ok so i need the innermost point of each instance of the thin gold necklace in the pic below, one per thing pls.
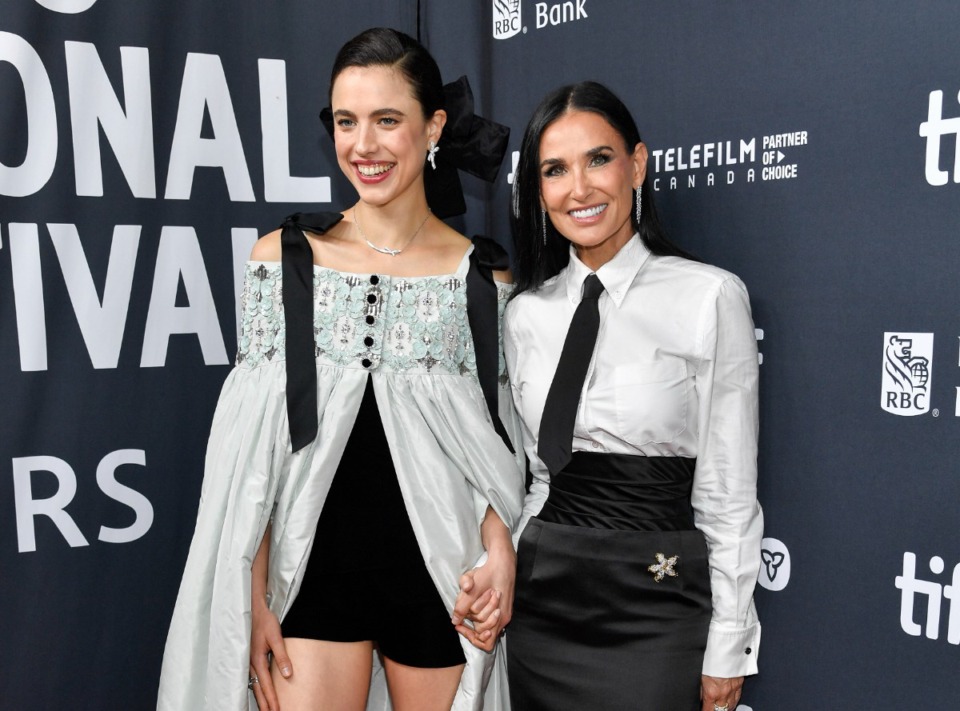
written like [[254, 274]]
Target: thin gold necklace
[[388, 250]]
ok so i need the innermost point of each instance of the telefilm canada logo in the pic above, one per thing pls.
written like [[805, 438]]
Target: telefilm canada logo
[[508, 17], [907, 373], [725, 161], [934, 129]]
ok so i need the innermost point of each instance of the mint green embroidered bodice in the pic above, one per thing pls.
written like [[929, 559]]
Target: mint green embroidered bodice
[[375, 322]]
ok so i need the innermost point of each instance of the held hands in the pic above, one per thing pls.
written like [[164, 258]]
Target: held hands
[[717, 693], [486, 598], [266, 639]]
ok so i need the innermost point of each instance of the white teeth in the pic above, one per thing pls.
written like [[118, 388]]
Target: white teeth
[[375, 169], [588, 212]]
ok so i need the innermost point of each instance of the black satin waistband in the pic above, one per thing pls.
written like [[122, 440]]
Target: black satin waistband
[[623, 492]]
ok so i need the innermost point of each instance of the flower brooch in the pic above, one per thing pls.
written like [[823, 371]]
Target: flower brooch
[[664, 567]]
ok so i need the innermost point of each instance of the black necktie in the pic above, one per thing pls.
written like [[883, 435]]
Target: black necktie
[[560, 410]]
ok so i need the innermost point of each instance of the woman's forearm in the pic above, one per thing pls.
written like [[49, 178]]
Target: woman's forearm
[[258, 573]]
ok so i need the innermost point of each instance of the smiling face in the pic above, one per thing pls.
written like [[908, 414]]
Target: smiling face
[[587, 178], [380, 133]]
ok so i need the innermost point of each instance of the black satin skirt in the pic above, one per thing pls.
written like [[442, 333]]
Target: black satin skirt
[[593, 627]]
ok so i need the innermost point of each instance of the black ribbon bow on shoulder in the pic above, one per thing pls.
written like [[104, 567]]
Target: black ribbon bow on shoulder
[[469, 142], [301, 367]]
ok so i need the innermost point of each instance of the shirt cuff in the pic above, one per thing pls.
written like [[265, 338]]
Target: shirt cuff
[[732, 653]]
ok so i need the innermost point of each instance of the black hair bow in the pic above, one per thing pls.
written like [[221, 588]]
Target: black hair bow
[[468, 142]]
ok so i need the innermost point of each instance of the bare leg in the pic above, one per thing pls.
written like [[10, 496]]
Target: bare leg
[[417, 689], [327, 675]]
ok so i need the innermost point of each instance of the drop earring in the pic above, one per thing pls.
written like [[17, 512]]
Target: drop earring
[[639, 210], [543, 221], [432, 154]]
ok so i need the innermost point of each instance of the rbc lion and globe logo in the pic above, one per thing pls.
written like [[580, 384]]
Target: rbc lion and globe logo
[[506, 18], [907, 373]]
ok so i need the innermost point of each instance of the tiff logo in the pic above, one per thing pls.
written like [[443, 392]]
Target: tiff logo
[[933, 129], [911, 587]]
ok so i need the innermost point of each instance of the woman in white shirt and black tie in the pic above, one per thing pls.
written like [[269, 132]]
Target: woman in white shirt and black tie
[[639, 545]]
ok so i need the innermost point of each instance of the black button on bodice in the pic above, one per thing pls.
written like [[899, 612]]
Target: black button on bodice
[[371, 298], [370, 320], [366, 362], [374, 280], [748, 650], [368, 341]]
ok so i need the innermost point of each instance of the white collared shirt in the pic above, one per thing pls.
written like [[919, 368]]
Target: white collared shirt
[[674, 373]]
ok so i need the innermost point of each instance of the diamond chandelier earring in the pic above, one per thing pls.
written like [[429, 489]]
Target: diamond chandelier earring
[[639, 210], [432, 154], [543, 221]]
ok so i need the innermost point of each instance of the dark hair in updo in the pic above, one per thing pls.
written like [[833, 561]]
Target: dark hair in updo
[[535, 262], [385, 47]]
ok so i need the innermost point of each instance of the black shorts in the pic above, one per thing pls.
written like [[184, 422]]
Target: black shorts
[[404, 617], [366, 579]]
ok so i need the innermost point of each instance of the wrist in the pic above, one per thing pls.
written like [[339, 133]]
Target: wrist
[[259, 602], [500, 548]]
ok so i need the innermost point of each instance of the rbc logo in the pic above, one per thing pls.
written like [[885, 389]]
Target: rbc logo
[[907, 372], [775, 564], [506, 18]]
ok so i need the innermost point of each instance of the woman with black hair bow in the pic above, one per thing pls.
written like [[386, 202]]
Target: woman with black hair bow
[[359, 460]]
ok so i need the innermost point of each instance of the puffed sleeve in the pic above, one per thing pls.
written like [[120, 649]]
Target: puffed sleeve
[[506, 409], [206, 654], [724, 493]]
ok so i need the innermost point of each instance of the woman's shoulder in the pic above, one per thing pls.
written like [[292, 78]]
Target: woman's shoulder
[[529, 305], [267, 248], [708, 276]]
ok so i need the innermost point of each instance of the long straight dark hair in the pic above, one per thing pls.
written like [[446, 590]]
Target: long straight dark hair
[[534, 261]]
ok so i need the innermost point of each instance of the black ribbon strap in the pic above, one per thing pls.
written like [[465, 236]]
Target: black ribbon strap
[[297, 269], [483, 315]]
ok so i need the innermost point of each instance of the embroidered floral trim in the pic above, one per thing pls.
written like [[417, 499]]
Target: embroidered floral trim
[[377, 322]]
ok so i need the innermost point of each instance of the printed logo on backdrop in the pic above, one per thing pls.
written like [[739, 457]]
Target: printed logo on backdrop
[[934, 129], [937, 613], [113, 122], [67, 7], [508, 18], [907, 373], [775, 564], [769, 157]]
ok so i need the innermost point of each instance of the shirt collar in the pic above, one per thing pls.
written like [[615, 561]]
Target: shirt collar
[[616, 275]]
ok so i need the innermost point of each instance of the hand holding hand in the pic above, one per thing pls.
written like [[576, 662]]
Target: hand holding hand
[[486, 599]]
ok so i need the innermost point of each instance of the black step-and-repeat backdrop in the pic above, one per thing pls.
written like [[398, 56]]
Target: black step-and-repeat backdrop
[[812, 148]]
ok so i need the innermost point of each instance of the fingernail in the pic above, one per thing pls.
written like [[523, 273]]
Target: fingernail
[[285, 671], [499, 594], [496, 613]]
